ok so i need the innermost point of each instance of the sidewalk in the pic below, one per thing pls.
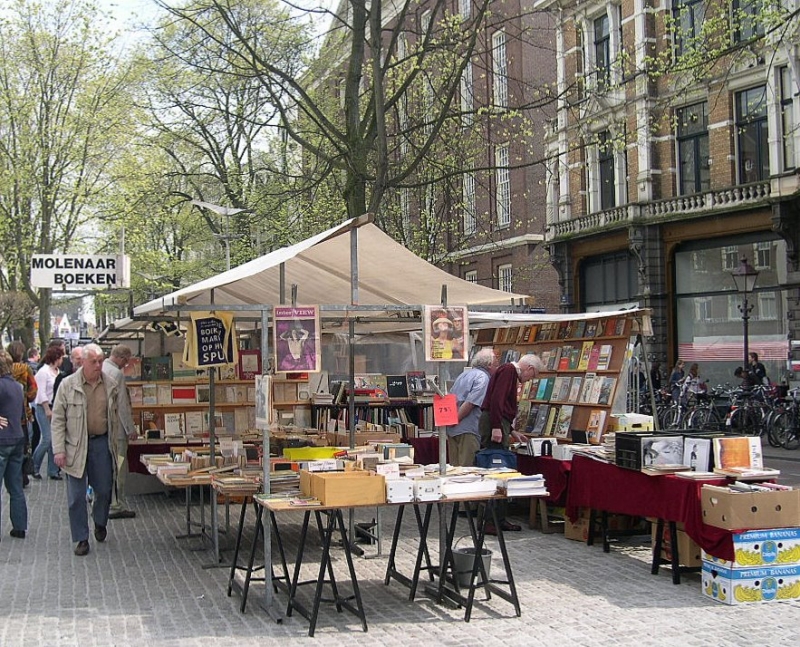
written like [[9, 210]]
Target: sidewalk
[[144, 587]]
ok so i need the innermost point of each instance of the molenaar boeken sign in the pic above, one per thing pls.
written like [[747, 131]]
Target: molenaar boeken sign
[[74, 272]]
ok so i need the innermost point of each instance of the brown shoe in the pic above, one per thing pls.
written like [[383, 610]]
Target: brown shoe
[[82, 548]]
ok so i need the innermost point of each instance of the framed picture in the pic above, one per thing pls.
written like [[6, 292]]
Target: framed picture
[[297, 339], [446, 331]]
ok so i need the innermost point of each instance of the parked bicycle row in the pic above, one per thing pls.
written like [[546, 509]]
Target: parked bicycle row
[[758, 410]]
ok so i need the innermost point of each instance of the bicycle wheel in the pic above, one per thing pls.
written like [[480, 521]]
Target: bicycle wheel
[[745, 422], [773, 437], [790, 433], [703, 418], [671, 418]]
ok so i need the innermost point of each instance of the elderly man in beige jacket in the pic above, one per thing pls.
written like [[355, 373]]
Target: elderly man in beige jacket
[[85, 423]]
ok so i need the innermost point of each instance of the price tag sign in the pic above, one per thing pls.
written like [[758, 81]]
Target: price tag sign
[[445, 410]]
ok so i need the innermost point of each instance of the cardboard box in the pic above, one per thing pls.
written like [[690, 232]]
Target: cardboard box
[[631, 422], [742, 510], [689, 553], [578, 531], [777, 547], [765, 584], [344, 488]]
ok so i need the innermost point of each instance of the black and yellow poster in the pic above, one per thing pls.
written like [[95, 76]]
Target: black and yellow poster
[[210, 340]]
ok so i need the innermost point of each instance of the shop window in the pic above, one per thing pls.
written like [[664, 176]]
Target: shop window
[[608, 279]]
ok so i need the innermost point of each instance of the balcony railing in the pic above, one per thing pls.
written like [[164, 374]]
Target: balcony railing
[[669, 209]]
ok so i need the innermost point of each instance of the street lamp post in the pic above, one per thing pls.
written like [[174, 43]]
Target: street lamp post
[[745, 276]]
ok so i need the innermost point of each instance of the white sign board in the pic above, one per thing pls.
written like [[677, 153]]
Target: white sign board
[[74, 272]]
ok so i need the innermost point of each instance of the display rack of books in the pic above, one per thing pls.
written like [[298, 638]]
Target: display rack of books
[[170, 400], [291, 400], [583, 361], [399, 404]]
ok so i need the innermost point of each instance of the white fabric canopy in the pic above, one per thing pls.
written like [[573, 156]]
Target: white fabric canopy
[[388, 274]]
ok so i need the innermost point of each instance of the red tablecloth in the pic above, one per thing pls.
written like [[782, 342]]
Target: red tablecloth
[[555, 472], [602, 486], [426, 450]]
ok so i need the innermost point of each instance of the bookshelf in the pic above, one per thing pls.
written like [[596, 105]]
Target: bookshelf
[[584, 359]]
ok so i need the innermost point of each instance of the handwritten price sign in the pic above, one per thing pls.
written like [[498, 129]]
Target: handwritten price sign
[[445, 410]]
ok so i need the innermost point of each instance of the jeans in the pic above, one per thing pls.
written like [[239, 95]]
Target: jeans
[[118, 500], [45, 444], [11, 473], [99, 473]]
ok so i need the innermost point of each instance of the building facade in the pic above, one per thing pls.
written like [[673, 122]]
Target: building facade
[[673, 155]]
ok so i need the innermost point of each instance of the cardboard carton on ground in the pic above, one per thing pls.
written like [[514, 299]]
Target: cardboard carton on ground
[[754, 548], [344, 488], [689, 553], [745, 586], [747, 510], [579, 531]]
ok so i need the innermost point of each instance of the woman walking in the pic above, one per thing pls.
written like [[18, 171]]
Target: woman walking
[[45, 380]]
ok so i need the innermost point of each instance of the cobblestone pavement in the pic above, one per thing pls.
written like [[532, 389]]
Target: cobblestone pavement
[[144, 586]]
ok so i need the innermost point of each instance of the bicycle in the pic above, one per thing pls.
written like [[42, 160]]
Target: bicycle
[[786, 424], [749, 411]]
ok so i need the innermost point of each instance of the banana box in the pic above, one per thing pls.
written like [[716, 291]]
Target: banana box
[[754, 548], [744, 586]]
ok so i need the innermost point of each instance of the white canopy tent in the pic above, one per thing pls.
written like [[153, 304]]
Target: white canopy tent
[[372, 271]]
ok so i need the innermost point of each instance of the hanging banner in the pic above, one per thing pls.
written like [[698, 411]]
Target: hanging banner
[[210, 340], [297, 339], [446, 332]]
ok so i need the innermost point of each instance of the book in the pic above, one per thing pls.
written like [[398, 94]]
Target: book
[[151, 419], [184, 394], [561, 388], [610, 327], [249, 364], [574, 357], [594, 358], [604, 357], [195, 423], [583, 360], [174, 425], [521, 421], [542, 388], [397, 387], [594, 393], [738, 452], [203, 393], [580, 329], [552, 419], [157, 368], [484, 336], [564, 358], [164, 393], [586, 388], [530, 423], [136, 395], [227, 373], [697, 454], [619, 329], [541, 419], [133, 369], [417, 384], [564, 421], [575, 389], [607, 384], [240, 420], [595, 427], [181, 372], [591, 329], [149, 394]]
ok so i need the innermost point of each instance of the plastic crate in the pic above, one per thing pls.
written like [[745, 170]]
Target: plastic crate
[[628, 447]]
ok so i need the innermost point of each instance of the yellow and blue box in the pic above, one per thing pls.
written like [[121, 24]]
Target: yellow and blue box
[[746, 586], [755, 548]]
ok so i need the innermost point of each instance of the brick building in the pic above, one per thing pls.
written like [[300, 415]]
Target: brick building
[[674, 154]]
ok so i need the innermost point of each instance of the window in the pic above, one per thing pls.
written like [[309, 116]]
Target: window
[[605, 165], [503, 197], [702, 308], [752, 133], [504, 277], [465, 8], [787, 117], [730, 258], [745, 20], [694, 172], [699, 261], [609, 279], [767, 305], [471, 276], [688, 16], [468, 190], [467, 96], [762, 255], [734, 303], [602, 52], [500, 69]]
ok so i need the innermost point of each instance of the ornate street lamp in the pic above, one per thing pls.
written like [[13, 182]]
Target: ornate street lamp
[[745, 277]]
